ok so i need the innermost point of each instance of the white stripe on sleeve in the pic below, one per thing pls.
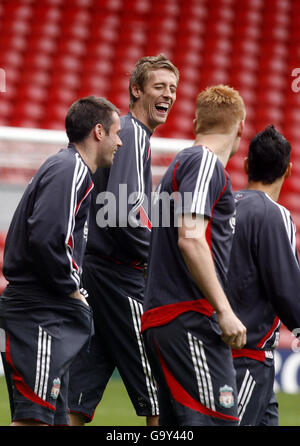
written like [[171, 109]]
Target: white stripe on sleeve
[[205, 174]]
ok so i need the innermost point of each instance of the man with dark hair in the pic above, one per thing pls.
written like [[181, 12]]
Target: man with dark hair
[[44, 315], [87, 112], [263, 284], [117, 252]]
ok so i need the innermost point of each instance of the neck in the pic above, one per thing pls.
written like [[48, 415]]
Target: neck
[[141, 115], [88, 156], [221, 144], [272, 190]]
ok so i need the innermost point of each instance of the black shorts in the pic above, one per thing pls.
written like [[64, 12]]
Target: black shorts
[[42, 337], [257, 404], [194, 371], [115, 295]]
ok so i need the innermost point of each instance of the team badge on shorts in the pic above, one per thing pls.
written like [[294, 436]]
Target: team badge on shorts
[[55, 388], [226, 397]]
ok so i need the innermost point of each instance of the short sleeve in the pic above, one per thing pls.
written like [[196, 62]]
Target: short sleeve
[[200, 182]]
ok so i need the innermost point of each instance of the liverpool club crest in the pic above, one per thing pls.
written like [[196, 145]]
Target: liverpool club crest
[[226, 397], [55, 388]]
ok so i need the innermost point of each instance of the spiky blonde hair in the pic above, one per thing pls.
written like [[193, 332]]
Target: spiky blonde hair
[[218, 109]]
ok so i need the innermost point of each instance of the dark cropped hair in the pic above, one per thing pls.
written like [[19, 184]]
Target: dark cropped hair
[[85, 113], [268, 156], [143, 68]]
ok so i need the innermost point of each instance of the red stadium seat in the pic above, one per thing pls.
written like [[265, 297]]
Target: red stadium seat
[[120, 99], [108, 5], [130, 53], [93, 83], [139, 7], [291, 201], [213, 75], [71, 46], [37, 77], [11, 59], [245, 46], [55, 114], [68, 80], [32, 92], [243, 79], [46, 12], [38, 61], [167, 8], [247, 31], [66, 62], [12, 42], [45, 29], [41, 44], [27, 114], [18, 27], [6, 108], [244, 62], [266, 97], [103, 51], [61, 97]]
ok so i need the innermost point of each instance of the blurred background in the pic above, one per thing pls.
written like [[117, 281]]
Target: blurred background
[[54, 51]]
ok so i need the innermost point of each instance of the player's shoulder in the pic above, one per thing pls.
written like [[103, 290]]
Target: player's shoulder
[[199, 162], [66, 161], [196, 155], [277, 210], [250, 206], [132, 127], [258, 205]]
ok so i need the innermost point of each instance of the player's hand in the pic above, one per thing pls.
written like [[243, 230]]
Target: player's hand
[[233, 331], [81, 295]]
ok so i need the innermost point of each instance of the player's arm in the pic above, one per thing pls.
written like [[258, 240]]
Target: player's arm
[[197, 256], [51, 226]]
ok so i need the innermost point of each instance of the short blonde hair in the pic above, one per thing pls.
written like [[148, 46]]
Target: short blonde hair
[[219, 108]]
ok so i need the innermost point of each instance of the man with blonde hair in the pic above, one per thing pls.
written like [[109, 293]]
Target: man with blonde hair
[[188, 324]]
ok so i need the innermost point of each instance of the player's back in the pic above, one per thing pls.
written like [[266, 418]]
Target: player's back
[[194, 183], [264, 236]]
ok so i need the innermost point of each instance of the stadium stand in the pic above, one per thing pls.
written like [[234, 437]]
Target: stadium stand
[[54, 51]]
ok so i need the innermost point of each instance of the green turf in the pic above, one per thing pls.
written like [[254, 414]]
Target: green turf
[[116, 409]]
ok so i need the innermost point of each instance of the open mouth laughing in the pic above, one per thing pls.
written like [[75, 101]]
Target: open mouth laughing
[[162, 108]]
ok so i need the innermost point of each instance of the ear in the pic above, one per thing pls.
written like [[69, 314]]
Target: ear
[[241, 128], [99, 131], [288, 171], [195, 126], [135, 90], [246, 166]]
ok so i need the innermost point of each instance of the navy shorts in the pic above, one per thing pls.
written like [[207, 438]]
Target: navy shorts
[[115, 295], [41, 338], [257, 404], [194, 371]]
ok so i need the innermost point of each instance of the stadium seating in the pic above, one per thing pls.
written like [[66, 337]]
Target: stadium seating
[[54, 51]]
